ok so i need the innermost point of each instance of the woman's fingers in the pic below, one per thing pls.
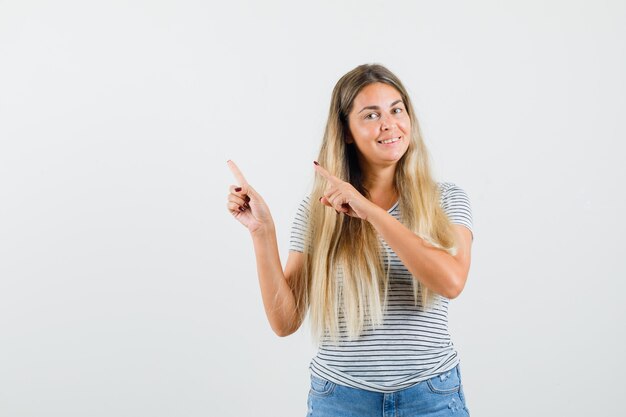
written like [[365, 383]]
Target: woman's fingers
[[233, 198], [237, 173], [327, 196], [340, 195], [334, 195], [245, 204], [237, 190], [330, 190], [327, 175], [325, 202], [240, 192], [234, 208], [238, 198], [246, 188], [333, 198], [342, 209]]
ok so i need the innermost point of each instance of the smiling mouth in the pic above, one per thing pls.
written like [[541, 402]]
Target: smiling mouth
[[387, 141]]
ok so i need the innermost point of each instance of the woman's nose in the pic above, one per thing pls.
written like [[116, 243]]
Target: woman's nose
[[385, 123]]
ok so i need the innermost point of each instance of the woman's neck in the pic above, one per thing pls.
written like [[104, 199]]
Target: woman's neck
[[380, 183]]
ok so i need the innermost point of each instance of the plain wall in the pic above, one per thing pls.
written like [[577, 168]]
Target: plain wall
[[127, 289]]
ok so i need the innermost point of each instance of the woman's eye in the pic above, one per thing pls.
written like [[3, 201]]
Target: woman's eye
[[397, 110], [371, 116]]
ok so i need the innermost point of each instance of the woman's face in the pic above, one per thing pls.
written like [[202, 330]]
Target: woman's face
[[380, 127]]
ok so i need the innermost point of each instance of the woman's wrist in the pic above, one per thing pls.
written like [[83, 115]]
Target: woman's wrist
[[374, 213], [263, 231]]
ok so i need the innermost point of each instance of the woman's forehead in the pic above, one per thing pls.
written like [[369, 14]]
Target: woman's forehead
[[376, 94]]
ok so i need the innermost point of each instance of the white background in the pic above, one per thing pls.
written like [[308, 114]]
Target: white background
[[126, 289]]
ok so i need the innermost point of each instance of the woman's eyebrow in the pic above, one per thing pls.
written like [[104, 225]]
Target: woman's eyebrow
[[376, 107]]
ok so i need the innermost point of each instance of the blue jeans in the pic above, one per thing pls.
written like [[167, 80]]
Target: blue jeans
[[439, 396]]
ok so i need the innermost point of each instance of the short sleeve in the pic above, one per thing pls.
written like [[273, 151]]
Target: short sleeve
[[456, 205], [299, 224]]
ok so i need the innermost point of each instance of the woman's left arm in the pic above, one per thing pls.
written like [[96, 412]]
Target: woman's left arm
[[435, 268]]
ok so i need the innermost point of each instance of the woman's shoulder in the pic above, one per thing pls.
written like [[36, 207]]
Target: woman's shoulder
[[456, 203], [445, 186], [448, 188], [451, 195], [444, 191]]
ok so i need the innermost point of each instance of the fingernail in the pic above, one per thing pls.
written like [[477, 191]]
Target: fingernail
[[241, 208], [238, 189], [247, 199], [316, 163]]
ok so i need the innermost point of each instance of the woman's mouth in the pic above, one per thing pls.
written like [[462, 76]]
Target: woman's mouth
[[389, 141]]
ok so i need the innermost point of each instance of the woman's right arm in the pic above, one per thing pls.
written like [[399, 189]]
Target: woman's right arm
[[278, 298], [249, 208]]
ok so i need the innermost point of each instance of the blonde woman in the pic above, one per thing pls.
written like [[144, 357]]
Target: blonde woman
[[377, 251]]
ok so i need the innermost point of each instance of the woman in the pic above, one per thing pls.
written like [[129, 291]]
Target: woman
[[377, 251]]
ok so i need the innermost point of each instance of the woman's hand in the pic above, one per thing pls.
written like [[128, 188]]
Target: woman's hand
[[246, 205], [343, 197]]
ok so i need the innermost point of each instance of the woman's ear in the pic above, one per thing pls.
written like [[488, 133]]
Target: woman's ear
[[349, 138]]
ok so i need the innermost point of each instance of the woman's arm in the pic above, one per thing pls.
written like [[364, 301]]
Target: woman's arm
[[435, 268], [249, 208], [278, 298]]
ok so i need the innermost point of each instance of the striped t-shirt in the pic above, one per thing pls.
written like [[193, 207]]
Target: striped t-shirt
[[411, 345]]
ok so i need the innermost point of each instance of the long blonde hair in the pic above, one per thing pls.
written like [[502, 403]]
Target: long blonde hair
[[343, 272]]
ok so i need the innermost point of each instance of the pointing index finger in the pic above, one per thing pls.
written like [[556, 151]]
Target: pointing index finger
[[324, 173], [237, 173]]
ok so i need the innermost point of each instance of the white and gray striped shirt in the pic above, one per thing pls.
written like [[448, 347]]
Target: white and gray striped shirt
[[412, 345]]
